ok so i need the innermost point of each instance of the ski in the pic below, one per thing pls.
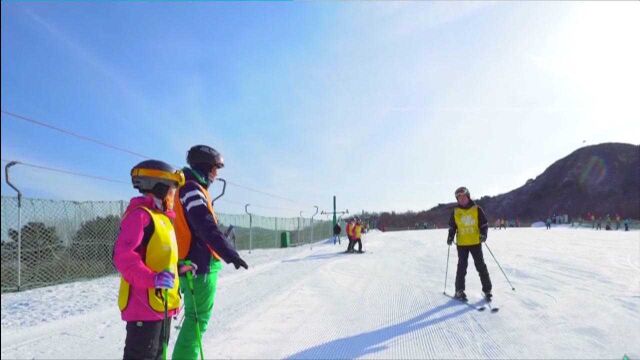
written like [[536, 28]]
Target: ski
[[466, 302], [493, 309]]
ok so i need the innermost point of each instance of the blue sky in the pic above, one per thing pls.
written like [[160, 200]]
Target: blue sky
[[388, 105]]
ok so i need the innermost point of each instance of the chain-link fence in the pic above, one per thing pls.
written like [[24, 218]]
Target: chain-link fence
[[63, 241]]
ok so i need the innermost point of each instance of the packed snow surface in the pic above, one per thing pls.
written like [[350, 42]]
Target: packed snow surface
[[577, 296]]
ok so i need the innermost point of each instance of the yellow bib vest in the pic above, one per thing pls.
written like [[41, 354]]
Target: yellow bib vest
[[357, 231], [467, 223], [161, 254]]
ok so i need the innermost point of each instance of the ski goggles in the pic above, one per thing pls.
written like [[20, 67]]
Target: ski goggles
[[177, 176], [219, 162]]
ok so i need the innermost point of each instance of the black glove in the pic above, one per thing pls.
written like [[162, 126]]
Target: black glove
[[239, 262], [449, 241], [483, 238]]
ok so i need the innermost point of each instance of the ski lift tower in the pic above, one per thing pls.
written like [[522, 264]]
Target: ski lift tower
[[334, 212]]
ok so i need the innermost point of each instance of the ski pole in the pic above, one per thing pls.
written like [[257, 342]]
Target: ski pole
[[496, 260], [178, 326], [165, 341], [446, 272], [195, 310]]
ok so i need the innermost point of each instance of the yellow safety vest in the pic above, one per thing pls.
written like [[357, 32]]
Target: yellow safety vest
[[161, 254], [468, 229], [357, 231]]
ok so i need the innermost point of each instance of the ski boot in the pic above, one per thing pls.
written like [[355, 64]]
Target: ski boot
[[460, 295], [487, 296]]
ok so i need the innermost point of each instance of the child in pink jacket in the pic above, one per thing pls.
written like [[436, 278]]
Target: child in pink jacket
[[146, 255]]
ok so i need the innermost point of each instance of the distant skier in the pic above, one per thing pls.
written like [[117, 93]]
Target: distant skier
[[336, 233], [503, 224], [350, 225], [470, 223], [599, 224], [548, 223], [146, 256], [357, 235], [626, 224]]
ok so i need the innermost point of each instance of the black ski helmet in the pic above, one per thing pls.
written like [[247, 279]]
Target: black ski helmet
[[156, 177], [203, 156], [462, 191]]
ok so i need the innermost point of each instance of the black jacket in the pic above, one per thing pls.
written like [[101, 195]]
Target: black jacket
[[204, 229]]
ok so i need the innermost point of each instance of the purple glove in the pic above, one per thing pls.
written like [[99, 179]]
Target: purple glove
[[186, 267], [164, 280]]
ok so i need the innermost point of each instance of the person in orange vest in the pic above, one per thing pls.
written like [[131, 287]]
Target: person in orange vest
[[350, 225], [146, 256], [201, 247], [468, 224], [357, 235]]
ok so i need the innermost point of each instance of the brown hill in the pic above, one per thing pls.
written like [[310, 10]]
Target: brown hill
[[600, 179]]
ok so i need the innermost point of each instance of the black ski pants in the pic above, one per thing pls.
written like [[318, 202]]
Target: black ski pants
[[359, 242], [351, 244], [478, 260], [144, 340]]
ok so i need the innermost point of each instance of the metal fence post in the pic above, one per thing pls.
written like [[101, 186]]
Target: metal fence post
[[316, 213], [300, 231], [6, 175], [276, 235], [250, 227]]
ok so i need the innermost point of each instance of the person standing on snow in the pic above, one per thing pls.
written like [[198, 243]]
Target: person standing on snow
[[201, 246], [350, 225], [336, 233], [357, 236], [469, 222], [146, 256]]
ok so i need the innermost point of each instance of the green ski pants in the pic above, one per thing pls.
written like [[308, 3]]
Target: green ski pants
[[204, 290]]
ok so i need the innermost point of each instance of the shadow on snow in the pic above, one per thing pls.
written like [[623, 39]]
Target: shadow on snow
[[371, 342]]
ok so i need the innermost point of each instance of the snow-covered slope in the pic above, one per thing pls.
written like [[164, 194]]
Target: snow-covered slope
[[577, 296]]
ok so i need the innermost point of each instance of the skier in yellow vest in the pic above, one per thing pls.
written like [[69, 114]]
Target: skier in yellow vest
[[146, 255], [469, 222]]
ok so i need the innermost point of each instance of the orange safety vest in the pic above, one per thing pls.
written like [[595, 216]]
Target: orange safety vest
[[183, 232]]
